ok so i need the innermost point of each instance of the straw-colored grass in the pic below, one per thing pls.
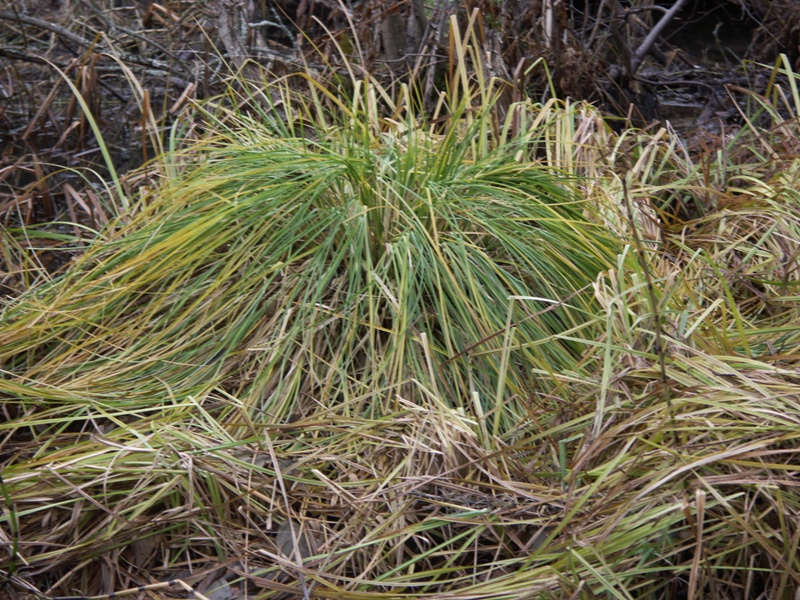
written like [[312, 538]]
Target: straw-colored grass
[[342, 351]]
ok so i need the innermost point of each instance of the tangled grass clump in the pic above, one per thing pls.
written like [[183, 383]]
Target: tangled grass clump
[[277, 269]]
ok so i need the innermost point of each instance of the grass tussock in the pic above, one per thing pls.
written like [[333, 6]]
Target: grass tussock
[[342, 350]]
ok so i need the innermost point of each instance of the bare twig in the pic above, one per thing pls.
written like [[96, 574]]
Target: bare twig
[[83, 42], [645, 47], [22, 56], [147, 40], [46, 25]]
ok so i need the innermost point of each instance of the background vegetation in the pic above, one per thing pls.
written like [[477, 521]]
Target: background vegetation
[[348, 333]]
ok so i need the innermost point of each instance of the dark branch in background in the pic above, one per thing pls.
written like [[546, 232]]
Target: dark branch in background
[[97, 11], [76, 39], [651, 38], [230, 22], [65, 33], [31, 58]]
